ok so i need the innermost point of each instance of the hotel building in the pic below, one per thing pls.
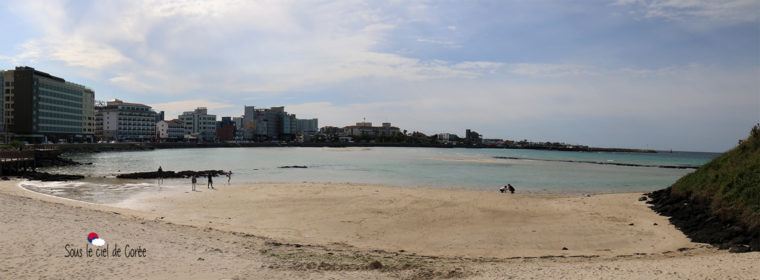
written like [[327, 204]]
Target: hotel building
[[40, 107], [122, 121]]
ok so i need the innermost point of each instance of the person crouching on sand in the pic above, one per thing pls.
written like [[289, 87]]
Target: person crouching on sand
[[210, 182], [511, 188], [503, 189]]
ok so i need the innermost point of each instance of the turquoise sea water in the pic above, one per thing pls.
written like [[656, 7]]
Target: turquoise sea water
[[531, 171]]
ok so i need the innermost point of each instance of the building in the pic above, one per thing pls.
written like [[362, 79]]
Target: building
[[159, 116], [2, 114], [447, 138], [307, 126], [199, 124], [225, 129], [170, 130], [366, 129], [472, 137], [122, 121], [273, 123], [41, 107]]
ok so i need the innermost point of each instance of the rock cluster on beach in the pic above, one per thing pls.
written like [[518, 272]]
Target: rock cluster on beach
[[170, 174], [696, 220], [43, 176]]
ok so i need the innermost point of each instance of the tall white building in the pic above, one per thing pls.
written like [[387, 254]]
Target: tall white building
[[119, 120]]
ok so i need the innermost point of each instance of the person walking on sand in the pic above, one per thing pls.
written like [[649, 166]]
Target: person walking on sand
[[229, 176], [511, 188], [210, 182], [160, 175], [194, 180]]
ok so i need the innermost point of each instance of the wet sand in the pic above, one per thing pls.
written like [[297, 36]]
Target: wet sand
[[339, 231]]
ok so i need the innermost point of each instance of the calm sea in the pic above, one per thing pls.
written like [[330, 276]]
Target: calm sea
[[530, 171]]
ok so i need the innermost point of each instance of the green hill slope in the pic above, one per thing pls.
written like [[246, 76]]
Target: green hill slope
[[719, 203], [731, 182]]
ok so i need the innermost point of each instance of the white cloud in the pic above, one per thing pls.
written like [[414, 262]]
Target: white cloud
[[175, 108], [449, 44], [169, 47], [720, 11], [543, 70]]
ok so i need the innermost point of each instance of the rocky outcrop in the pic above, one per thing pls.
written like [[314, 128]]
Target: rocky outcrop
[[700, 224], [171, 174], [43, 176]]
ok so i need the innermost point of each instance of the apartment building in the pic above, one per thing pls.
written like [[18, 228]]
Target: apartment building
[[199, 124]]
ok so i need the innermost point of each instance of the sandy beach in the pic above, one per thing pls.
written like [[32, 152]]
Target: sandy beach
[[324, 231]]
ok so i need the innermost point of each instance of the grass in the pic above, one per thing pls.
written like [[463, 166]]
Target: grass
[[730, 182]]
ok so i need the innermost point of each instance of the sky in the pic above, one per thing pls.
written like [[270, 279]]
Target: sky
[[657, 74]]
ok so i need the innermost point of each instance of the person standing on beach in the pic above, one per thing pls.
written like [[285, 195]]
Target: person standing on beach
[[194, 180], [160, 175], [229, 176], [210, 182]]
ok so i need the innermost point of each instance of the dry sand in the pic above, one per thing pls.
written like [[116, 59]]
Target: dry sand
[[338, 231]]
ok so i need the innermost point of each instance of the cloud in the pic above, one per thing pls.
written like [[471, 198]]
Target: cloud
[[175, 108], [543, 70], [449, 44], [720, 11], [98, 242], [170, 47]]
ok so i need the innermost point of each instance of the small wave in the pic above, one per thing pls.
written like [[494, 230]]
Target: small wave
[[607, 163]]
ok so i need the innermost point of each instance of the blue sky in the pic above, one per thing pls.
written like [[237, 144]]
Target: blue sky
[[665, 74]]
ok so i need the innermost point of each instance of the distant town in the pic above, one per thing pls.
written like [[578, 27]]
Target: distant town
[[40, 108]]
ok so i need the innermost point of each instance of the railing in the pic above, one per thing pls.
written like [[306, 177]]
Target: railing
[[11, 156]]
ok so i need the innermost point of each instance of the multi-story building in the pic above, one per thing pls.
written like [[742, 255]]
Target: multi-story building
[[225, 129], [199, 124], [307, 126], [122, 121], [366, 129], [38, 106], [273, 123], [2, 114], [472, 137], [171, 130]]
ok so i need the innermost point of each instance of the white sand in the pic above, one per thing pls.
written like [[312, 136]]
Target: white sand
[[337, 228]]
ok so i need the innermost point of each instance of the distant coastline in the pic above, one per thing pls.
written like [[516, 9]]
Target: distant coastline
[[113, 147]]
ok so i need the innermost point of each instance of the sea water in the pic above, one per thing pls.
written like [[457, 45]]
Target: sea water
[[530, 171]]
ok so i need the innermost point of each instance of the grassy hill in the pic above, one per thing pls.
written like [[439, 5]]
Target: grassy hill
[[730, 182], [719, 203]]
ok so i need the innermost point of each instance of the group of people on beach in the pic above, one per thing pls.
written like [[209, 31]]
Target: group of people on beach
[[194, 179], [508, 188]]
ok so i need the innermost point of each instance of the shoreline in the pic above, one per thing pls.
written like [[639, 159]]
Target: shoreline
[[231, 250], [114, 147]]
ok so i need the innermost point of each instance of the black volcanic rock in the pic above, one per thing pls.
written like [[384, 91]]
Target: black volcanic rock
[[170, 174], [695, 219], [294, 166], [42, 176]]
